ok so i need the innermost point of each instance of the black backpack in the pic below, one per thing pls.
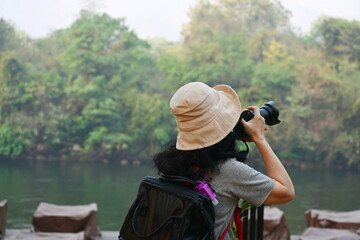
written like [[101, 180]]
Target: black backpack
[[167, 208]]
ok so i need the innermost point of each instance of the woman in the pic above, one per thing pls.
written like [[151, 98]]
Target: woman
[[205, 119]]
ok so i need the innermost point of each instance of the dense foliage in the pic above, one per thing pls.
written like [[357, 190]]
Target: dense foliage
[[96, 91]]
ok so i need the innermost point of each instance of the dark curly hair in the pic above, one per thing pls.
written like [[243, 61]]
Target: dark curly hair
[[172, 161]]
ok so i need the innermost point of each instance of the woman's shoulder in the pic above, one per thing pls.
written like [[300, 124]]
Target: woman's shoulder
[[231, 168], [232, 164]]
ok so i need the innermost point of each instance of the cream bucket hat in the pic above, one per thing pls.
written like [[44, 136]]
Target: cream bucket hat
[[204, 115]]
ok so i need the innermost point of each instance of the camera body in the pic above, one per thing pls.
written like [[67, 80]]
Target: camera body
[[268, 111]]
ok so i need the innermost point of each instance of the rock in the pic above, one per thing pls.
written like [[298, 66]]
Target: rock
[[77, 148], [124, 162]]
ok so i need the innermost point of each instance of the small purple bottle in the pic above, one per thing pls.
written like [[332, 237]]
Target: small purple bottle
[[204, 188]]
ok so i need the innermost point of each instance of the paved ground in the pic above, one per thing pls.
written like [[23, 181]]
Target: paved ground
[[109, 235], [11, 233], [105, 235]]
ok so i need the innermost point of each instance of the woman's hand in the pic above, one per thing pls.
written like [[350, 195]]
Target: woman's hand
[[255, 127]]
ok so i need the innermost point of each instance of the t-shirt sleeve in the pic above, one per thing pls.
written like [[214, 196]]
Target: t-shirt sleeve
[[238, 180]]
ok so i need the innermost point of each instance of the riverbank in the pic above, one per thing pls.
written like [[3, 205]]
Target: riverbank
[[105, 235], [36, 157]]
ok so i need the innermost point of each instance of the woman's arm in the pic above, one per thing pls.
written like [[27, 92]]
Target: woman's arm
[[283, 190]]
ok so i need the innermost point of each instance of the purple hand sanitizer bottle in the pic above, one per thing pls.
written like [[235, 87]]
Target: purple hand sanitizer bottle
[[204, 188]]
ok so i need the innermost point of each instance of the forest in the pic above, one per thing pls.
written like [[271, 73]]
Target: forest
[[95, 91]]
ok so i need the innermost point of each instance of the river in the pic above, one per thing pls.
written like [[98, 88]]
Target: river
[[113, 187]]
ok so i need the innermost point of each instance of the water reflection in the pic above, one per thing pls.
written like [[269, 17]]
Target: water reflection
[[321, 189], [113, 187]]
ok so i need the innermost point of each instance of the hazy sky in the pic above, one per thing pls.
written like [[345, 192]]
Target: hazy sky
[[151, 18]]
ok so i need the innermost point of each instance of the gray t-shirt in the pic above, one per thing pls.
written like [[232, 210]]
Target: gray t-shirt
[[236, 181]]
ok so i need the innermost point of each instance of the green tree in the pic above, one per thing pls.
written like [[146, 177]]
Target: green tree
[[10, 143], [103, 61], [7, 36], [230, 17], [339, 38], [95, 90]]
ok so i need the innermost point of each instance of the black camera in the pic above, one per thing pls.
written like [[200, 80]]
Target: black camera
[[268, 111]]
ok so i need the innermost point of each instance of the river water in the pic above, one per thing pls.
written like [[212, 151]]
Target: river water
[[113, 187]]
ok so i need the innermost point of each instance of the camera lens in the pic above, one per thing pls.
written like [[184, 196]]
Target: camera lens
[[270, 113]]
